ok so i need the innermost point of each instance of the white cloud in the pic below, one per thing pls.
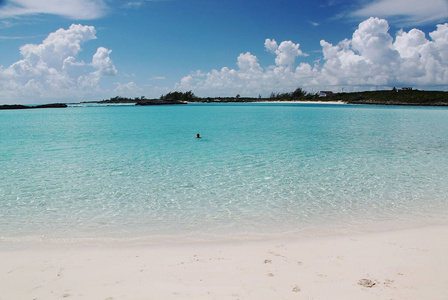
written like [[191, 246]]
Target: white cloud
[[136, 4], [410, 11], [372, 41], [11, 37], [103, 63], [424, 61], [270, 45], [371, 58], [286, 52], [51, 70], [127, 89], [248, 63], [157, 78], [73, 9]]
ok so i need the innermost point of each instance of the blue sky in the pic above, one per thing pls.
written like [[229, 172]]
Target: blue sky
[[52, 51]]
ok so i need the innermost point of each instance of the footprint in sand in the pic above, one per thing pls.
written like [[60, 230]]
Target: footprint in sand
[[366, 283], [388, 282], [296, 289], [60, 272]]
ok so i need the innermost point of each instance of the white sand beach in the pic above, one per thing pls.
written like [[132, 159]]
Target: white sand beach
[[402, 264]]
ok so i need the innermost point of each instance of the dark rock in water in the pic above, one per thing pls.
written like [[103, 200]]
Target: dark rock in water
[[159, 102], [13, 106], [18, 106], [52, 105]]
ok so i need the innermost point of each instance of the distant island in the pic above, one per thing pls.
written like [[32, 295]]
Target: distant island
[[159, 102], [403, 96], [17, 106], [406, 96]]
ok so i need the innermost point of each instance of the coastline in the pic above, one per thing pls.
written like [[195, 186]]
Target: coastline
[[272, 102], [399, 264], [304, 102]]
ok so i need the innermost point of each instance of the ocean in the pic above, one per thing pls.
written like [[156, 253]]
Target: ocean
[[260, 169]]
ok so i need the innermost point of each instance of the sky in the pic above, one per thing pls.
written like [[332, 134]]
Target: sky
[[88, 50]]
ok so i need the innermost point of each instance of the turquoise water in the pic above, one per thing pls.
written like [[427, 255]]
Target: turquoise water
[[126, 172]]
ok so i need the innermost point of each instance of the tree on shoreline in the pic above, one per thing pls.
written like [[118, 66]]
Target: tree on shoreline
[[395, 96], [187, 96], [299, 93]]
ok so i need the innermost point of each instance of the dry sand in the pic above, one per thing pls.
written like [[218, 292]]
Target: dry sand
[[404, 264]]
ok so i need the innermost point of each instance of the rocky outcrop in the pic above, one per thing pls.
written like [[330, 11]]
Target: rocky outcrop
[[379, 102], [159, 102], [13, 106], [53, 105], [18, 106]]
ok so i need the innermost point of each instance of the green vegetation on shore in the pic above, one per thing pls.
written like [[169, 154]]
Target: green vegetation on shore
[[298, 94], [395, 97], [179, 96], [405, 96], [384, 97]]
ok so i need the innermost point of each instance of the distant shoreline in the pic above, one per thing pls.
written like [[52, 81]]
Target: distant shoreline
[[303, 102], [406, 97]]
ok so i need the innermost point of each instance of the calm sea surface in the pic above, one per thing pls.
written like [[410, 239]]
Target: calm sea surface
[[127, 172]]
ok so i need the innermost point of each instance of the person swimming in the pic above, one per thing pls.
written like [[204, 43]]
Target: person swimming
[[198, 136]]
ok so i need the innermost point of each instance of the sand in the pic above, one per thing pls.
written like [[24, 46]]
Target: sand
[[403, 264]]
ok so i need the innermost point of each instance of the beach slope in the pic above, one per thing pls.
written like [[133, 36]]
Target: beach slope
[[403, 264]]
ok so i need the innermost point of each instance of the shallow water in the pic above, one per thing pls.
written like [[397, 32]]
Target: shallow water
[[123, 172]]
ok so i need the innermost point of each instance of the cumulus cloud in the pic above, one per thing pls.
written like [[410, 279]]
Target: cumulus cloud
[[51, 69], [130, 88], [73, 9], [410, 11], [372, 58], [373, 41], [286, 52], [103, 63]]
